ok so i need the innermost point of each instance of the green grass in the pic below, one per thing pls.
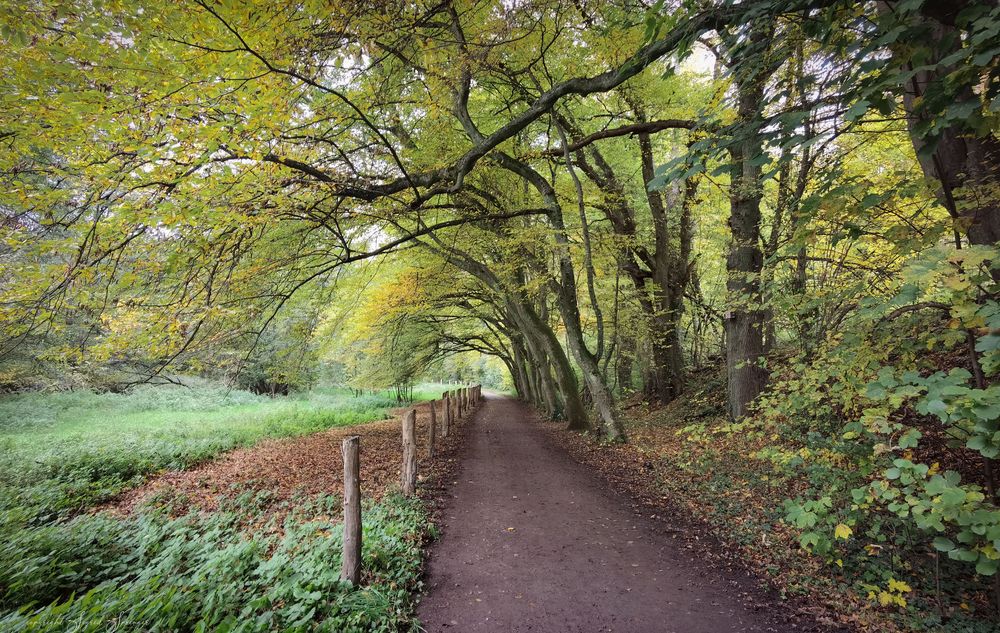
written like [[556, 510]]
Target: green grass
[[65, 571], [65, 451]]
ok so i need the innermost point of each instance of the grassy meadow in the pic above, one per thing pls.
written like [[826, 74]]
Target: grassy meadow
[[64, 569]]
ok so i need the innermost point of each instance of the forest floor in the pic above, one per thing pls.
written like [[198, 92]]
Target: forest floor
[[535, 541]]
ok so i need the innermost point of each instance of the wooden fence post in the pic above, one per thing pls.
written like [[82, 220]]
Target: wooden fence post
[[409, 482], [350, 569], [446, 409], [431, 431]]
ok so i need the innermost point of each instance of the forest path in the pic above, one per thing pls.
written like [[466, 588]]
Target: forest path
[[532, 541]]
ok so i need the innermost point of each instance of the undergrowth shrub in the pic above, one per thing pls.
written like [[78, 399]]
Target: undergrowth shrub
[[213, 572]]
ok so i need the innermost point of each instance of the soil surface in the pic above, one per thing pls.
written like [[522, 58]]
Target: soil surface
[[534, 541]]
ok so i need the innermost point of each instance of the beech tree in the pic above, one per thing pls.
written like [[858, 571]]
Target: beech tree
[[176, 174]]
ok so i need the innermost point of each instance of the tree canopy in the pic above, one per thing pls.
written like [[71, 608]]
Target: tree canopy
[[600, 196]]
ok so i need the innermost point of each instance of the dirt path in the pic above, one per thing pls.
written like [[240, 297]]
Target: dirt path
[[533, 542]]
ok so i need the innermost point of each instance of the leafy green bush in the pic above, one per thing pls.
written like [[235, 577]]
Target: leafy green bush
[[900, 440]]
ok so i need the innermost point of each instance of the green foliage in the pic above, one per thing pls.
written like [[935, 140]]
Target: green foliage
[[965, 90], [874, 421], [186, 186], [244, 568], [212, 573]]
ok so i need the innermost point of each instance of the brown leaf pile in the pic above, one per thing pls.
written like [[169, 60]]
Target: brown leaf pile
[[309, 464]]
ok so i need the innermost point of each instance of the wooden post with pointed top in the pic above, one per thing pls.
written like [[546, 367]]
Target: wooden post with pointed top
[[350, 569], [431, 430], [409, 478]]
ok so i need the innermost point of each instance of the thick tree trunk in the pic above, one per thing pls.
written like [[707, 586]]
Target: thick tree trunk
[[744, 319], [546, 385], [665, 380], [623, 364], [519, 374], [543, 399], [569, 310], [966, 164], [545, 348]]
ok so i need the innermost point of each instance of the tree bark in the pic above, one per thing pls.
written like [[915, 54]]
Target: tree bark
[[566, 299], [966, 164], [659, 277], [523, 384], [623, 364], [744, 319], [540, 336]]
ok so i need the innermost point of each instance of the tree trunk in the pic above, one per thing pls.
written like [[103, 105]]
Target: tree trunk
[[670, 275], [966, 164], [540, 335], [623, 364], [665, 380], [603, 401], [744, 320], [569, 310], [520, 376]]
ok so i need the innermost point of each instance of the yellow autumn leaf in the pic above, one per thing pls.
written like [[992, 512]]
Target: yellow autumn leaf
[[842, 531], [899, 586]]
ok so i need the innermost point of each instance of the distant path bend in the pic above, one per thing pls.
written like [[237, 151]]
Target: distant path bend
[[532, 541]]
